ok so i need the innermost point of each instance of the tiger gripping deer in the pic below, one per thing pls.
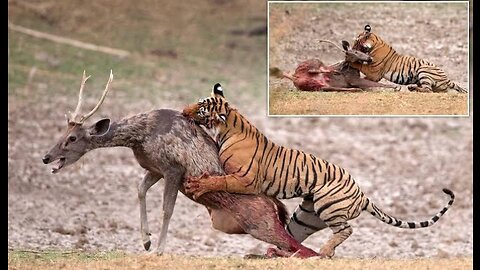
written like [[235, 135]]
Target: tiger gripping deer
[[419, 74], [314, 75], [254, 164], [162, 146]]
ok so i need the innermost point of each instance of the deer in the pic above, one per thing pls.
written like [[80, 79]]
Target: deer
[[314, 75], [167, 146]]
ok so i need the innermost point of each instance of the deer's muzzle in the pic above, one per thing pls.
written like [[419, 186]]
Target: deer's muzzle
[[61, 162]]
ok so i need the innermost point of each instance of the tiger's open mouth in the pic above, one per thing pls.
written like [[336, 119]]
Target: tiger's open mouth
[[59, 164]]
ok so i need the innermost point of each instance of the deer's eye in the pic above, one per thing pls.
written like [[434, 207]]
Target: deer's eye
[[72, 138]]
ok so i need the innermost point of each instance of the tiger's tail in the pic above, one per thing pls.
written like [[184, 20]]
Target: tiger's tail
[[376, 212], [456, 87], [276, 72]]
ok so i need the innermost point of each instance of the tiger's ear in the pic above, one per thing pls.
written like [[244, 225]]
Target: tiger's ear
[[217, 91], [368, 30]]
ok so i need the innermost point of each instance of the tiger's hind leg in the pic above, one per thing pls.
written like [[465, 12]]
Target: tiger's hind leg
[[424, 85], [341, 231], [305, 221], [335, 208]]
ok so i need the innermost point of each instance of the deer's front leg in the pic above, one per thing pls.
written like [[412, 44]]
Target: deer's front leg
[[231, 183], [173, 180], [148, 180]]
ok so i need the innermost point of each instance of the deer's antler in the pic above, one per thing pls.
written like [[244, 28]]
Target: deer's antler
[[74, 116], [334, 44]]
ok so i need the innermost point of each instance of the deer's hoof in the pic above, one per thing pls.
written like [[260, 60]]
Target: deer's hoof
[[147, 244]]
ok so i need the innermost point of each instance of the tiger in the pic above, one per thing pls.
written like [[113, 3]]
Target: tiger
[[254, 164], [419, 74]]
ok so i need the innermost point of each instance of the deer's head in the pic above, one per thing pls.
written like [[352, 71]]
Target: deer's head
[[77, 139], [355, 56], [351, 55]]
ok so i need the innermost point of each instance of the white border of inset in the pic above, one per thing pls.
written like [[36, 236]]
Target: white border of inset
[[368, 115]]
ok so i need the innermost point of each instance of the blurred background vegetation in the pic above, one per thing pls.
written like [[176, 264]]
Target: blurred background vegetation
[[178, 49]]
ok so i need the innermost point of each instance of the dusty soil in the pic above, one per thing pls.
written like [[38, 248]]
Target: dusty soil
[[412, 29], [328, 103], [402, 164], [87, 260]]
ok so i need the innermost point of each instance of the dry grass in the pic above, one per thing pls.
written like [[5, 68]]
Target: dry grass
[[21, 260], [172, 56], [286, 102]]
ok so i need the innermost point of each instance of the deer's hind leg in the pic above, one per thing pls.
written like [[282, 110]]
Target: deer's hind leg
[[173, 180], [262, 219], [224, 221], [341, 89], [366, 84]]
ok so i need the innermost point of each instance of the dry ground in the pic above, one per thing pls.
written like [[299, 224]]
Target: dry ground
[[366, 103], [115, 260], [401, 163], [435, 32]]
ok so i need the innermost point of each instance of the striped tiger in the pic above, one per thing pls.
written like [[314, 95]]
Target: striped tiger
[[419, 74], [256, 165]]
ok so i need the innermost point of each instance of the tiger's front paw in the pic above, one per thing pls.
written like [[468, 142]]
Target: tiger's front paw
[[197, 185]]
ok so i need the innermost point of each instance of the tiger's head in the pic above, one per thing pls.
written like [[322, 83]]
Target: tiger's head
[[366, 41], [210, 111]]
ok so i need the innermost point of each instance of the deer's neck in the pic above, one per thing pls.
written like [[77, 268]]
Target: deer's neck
[[127, 132]]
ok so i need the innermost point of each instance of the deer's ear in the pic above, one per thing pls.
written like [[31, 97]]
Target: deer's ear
[[346, 45], [100, 128]]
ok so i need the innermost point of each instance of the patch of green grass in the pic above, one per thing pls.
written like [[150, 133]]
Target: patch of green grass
[[46, 55], [206, 51]]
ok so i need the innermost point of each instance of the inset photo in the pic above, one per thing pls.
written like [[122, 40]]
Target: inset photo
[[368, 58]]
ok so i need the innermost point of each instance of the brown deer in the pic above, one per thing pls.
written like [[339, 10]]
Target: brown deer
[[168, 146], [314, 75]]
